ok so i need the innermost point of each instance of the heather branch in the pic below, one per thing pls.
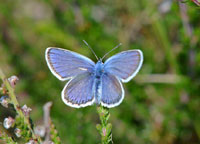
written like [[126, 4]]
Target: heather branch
[[104, 128], [13, 100]]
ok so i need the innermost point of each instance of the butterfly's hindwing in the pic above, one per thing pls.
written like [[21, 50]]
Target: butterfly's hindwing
[[78, 92], [112, 91]]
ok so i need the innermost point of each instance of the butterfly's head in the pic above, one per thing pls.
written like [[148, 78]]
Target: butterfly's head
[[100, 61], [99, 64]]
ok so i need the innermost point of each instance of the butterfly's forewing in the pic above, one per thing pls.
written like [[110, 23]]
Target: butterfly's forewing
[[112, 91], [78, 92], [124, 65], [65, 64]]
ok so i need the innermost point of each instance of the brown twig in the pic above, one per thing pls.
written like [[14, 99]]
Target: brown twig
[[47, 121], [159, 78]]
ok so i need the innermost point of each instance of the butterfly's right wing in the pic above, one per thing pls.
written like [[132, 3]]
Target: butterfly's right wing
[[112, 91], [124, 65], [120, 67], [65, 64]]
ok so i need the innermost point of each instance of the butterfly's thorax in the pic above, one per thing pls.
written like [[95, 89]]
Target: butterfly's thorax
[[98, 69], [97, 84]]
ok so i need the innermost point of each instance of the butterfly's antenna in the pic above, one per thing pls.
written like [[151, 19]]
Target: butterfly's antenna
[[111, 50], [91, 49]]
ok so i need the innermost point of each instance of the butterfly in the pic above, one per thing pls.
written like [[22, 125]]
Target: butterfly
[[90, 83]]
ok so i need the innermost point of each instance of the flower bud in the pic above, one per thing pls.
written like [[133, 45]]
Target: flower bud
[[13, 80], [8, 122], [26, 110], [40, 130], [17, 132], [4, 101]]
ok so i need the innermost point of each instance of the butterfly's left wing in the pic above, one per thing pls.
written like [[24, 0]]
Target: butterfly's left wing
[[124, 65], [65, 64], [78, 92]]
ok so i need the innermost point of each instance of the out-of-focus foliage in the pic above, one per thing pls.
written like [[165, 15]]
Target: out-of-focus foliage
[[158, 109]]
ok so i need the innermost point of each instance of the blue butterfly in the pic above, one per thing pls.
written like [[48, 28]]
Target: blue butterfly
[[91, 83]]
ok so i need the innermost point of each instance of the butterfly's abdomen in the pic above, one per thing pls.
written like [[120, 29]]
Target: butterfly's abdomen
[[97, 91]]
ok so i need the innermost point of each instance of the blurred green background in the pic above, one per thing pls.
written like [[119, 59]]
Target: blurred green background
[[162, 103]]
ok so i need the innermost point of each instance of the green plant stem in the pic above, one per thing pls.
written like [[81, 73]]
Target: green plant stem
[[7, 139], [104, 128], [160, 32], [16, 104]]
